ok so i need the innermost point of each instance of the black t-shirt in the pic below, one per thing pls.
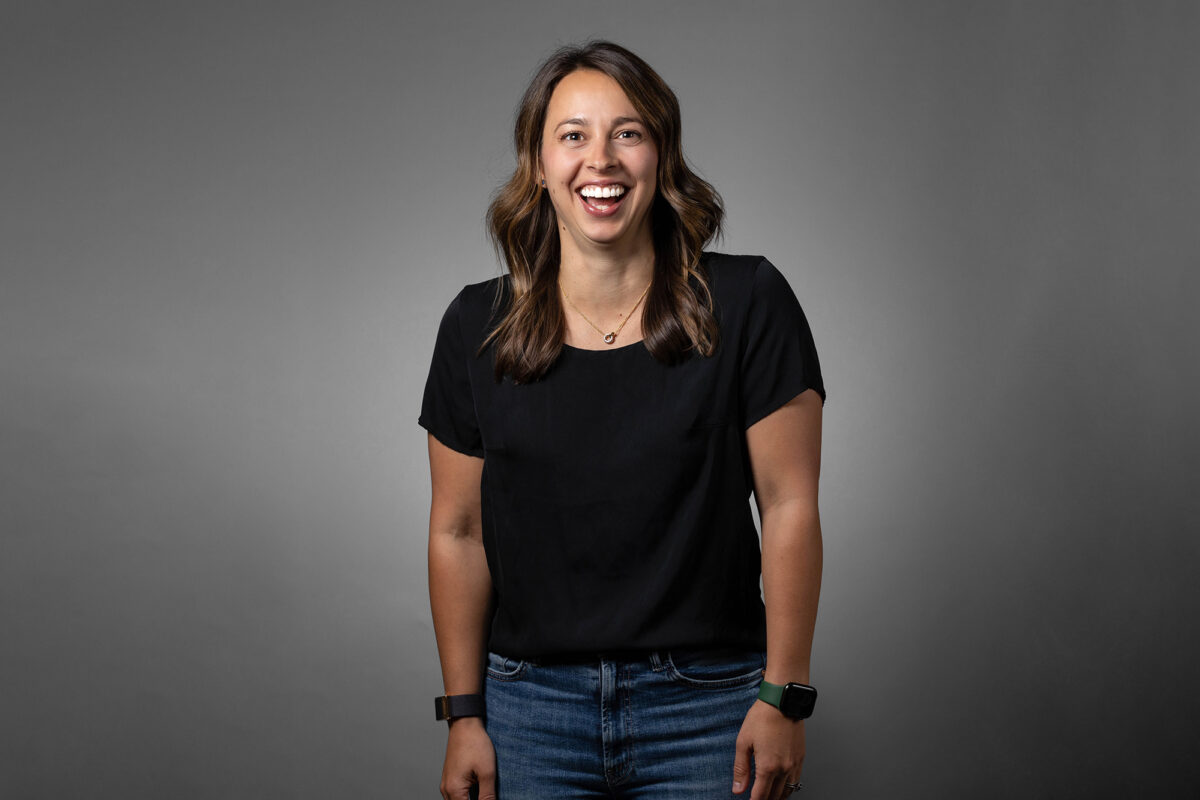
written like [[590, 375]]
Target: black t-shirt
[[616, 490]]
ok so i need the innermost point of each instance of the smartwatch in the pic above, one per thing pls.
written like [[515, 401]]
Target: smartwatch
[[794, 700], [453, 706]]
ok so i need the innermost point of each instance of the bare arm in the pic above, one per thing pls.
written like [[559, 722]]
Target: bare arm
[[785, 459], [460, 585], [460, 594]]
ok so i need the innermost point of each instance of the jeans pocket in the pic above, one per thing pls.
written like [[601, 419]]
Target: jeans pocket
[[720, 669], [502, 668]]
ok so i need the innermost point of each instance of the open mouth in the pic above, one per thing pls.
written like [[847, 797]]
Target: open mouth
[[601, 201]]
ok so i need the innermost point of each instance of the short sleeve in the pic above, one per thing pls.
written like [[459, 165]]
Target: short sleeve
[[780, 358], [448, 406]]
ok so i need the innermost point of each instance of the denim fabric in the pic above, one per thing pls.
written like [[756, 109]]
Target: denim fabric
[[660, 727]]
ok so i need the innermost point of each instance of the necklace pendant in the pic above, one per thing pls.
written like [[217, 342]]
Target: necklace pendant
[[609, 338]]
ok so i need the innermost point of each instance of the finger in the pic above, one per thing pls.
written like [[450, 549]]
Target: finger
[[762, 785], [759, 792], [786, 785], [741, 767], [487, 786], [458, 791], [767, 786]]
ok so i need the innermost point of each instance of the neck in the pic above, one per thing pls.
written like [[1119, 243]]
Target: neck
[[605, 277], [604, 270], [606, 283], [602, 290]]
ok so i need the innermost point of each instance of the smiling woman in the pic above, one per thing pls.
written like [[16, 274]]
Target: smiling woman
[[599, 116], [597, 418], [599, 167]]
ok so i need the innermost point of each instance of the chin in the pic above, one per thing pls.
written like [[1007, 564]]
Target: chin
[[612, 233]]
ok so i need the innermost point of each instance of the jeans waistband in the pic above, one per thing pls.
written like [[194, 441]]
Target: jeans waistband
[[654, 657]]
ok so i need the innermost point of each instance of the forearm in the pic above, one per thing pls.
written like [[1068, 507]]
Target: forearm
[[792, 561], [460, 595]]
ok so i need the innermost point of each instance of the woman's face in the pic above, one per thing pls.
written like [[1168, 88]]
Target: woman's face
[[599, 163]]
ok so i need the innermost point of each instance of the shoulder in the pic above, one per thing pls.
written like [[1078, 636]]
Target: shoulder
[[737, 270], [477, 305], [748, 273], [734, 280], [484, 290], [728, 268]]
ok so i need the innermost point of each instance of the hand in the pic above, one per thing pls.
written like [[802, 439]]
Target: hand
[[470, 761], [777, 744]]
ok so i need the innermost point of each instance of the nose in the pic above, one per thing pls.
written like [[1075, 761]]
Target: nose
[[600, 156]]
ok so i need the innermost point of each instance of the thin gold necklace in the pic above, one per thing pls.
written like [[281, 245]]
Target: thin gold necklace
[[610, 337]]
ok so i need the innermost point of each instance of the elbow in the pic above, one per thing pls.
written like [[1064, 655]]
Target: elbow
[[468, 531], [457, 524]]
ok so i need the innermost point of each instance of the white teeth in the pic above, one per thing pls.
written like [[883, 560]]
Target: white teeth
[[602, 191]]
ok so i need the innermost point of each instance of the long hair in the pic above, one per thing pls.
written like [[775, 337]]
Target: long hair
[[686, 214]]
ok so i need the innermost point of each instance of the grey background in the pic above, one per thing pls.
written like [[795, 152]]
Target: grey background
[[229, 231]]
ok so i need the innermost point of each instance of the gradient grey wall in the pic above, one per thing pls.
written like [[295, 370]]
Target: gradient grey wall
[[229, 231]]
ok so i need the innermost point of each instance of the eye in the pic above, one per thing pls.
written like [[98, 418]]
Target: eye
[[630, 135], [572, 136]]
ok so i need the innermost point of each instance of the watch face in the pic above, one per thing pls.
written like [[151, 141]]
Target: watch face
[[798, 701]]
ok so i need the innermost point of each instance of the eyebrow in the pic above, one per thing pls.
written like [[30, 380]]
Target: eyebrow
[[582, 121]]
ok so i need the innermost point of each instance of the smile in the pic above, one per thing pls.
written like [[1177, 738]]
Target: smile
[[602, 201]]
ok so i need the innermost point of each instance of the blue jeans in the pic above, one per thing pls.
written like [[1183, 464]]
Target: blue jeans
[[661, 727]]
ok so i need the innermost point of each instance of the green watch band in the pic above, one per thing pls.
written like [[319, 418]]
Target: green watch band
[[795, 700]]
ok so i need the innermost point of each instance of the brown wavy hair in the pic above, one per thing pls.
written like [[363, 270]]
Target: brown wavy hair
[[686, 214]]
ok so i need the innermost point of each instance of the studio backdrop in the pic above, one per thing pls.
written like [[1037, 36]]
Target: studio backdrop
[[229, 230]]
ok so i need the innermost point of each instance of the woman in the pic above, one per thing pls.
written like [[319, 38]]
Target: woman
[[597, 420]]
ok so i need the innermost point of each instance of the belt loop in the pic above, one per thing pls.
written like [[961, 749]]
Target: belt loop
[[655, 661]]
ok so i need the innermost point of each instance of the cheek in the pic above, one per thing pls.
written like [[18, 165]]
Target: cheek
[[650, 176], [561, 198], [650, 169]]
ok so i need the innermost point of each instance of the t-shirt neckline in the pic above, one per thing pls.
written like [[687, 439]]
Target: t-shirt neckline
[[639, 342]]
